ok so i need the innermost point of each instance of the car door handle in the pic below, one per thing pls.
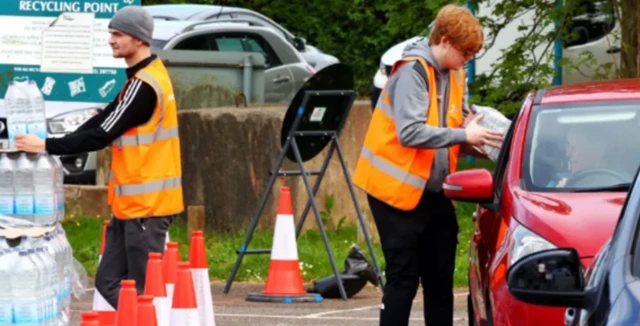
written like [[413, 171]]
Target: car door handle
[[281, 79], [614, 49]]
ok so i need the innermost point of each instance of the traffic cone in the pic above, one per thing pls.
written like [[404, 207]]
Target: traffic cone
[[99, 303], [155, 287], [146, 311], [89, 318], [170, 267], [201, 282], [284, 281], [184, 309], [127, 311]]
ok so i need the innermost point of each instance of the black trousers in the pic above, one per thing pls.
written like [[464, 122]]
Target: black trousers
[[418, 246], [126, 252]]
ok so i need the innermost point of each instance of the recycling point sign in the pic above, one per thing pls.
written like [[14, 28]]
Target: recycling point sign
[[63, 46]]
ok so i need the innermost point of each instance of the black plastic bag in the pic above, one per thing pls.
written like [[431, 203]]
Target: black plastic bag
[[358, 271]]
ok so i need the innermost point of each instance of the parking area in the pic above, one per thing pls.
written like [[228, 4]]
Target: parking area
[[360, 310]]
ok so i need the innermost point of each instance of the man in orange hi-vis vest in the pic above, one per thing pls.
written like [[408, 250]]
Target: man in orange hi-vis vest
[[412, 144], [141, 125]]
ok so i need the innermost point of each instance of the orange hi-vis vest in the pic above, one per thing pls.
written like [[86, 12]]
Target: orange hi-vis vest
[[396, 174], [146, 169]]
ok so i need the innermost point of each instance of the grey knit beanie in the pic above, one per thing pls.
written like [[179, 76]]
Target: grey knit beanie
[[135, 21]]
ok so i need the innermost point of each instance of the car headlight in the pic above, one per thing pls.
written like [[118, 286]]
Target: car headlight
[[383, 70], [525, 242], [70, 121]]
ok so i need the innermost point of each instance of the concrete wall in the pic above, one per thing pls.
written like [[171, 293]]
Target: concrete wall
[[227, 154]]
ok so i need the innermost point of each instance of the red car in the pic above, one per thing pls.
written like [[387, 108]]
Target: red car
[[560, 181]]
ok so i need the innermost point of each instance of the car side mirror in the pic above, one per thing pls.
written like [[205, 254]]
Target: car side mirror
[[473, 185], [299, 43], [551, 277]]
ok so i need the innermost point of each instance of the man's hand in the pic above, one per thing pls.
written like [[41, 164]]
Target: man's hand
[[480, 136], [30, 143]]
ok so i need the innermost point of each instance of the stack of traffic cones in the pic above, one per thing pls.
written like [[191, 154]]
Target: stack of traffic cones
[[99, 303], [184, 310], [284, 280], [200, 271], [155, 287]]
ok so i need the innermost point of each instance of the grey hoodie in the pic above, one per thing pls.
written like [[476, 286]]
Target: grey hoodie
[[409, 96]]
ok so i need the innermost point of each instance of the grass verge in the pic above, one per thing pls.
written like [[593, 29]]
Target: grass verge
[[84, 235]]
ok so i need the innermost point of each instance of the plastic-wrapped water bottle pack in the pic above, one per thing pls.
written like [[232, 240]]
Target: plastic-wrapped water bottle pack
[[38, 272]]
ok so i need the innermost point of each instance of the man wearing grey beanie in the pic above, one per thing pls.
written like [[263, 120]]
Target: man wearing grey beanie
[[141, 125]]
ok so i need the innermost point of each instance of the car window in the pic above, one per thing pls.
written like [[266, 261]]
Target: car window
[[503, 157], [247, 42], [582, 146], [195, 43]]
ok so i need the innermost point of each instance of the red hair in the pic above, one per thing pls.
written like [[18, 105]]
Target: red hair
[[459, 25]]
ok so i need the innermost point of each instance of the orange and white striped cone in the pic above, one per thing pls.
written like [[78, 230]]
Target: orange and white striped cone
[[99, 303], [155, 287], [284, 280], [169, 267], [184, 309], [201, 282]]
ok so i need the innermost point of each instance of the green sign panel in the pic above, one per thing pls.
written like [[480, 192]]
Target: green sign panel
[[63, 46]]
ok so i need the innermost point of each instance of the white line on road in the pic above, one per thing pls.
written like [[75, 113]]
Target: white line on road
[[341, 311], [307, 317]]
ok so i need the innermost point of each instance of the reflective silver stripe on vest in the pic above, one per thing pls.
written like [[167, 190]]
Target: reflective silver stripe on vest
[[383, 106], [148, 187], [145, 139], [111, 176], [392, 170]]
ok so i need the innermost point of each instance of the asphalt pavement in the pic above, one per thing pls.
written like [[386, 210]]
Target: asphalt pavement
[[361, 310]]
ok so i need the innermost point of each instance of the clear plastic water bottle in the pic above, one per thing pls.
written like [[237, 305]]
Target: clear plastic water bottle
[[37, 123], [6, 186], [67, 262], [59, 172], [23, 187], [27, 309], [46, 252], [17, 105], [7, 262], [44, 191]]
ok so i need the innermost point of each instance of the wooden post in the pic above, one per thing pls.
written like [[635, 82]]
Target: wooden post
[[103, 166], [195, 219]]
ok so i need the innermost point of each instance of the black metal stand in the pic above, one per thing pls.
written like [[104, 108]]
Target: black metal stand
[[311, 192]]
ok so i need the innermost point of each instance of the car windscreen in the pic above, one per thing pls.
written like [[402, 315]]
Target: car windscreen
[[582, 147]]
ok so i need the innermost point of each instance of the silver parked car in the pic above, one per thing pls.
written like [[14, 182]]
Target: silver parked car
[[200, 12], [286, 70]]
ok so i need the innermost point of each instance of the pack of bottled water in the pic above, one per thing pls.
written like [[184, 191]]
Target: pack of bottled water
[[494, 120], [31, 190], [25, 108], [37, 268], [38, 279]]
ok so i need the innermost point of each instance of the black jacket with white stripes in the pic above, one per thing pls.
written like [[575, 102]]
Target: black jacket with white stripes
[[135, 109]]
